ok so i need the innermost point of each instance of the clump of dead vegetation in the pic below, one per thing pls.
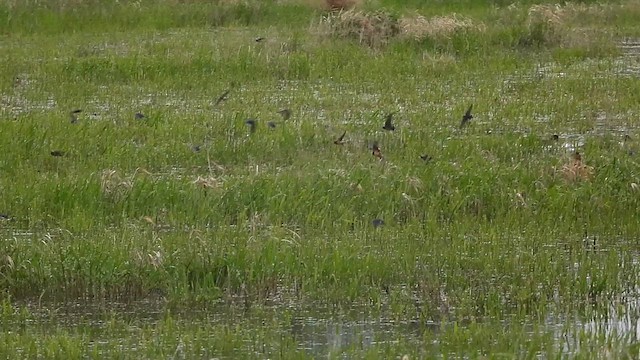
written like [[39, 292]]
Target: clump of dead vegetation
[[377, 28], [576, 169], [369, 28], [419, 27]]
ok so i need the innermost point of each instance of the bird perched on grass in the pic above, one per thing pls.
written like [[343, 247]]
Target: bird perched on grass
[[387, 123], [340, 140], [375, 150], [466, 117]]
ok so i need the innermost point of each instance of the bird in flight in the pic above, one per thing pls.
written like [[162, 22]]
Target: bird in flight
[[340, 140], [223, 97], [387, 123], [251, 123], [260, 39], [426, 158], [285, 113], [271, 124], [139, 116], [73, 115], [466, 117], [57, 153]]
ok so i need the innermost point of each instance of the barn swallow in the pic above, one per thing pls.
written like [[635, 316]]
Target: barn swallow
[[57, 153], [340, 140], [251, 123], [377, 223], [375, 150], [223, 97], [466, 117], [387, 123], [426, 158], [260, 39], [139, 116], [73, 115], [285, 113]]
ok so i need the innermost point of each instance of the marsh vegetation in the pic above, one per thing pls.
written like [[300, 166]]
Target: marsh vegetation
[[274, 179]]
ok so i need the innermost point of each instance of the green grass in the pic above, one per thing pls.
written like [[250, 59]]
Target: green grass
[[491, 231]]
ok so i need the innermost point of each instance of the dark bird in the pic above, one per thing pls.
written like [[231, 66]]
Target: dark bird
[[57, 153], [377, 223], [375, 150], [139, 116], [285, 113], [251, 123], [271, 124], [466, 117], [196, 148], [260, 39], [387, 123], [555, 137], [340, 140], [73, 115], [426, 158], [223, 97]]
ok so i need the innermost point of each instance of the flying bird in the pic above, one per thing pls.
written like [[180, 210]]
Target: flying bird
[[375, 150], [426, 158], [260, 39], [466, 117], [139, 116], [285, 113], [387, 123], [251, 123], [271, 124], [57, 153], [340, 140], [223, 97], [73, 115]]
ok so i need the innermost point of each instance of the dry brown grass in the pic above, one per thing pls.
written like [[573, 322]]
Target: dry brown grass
[[372, 29], [439, 27], [576, 170], [335, 5]]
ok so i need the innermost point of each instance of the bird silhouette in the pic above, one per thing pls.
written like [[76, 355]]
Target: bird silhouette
[[73, 115], [260, 39], [466, 117], [375, 150], [251, 123], [139, 116], [223, 97], [340, 140], [377, 223], [285, 113], [426, 158], [387, 123], [57, 153], [271, 124]]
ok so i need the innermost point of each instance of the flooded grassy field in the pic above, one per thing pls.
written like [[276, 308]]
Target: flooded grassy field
[[273, 179]]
